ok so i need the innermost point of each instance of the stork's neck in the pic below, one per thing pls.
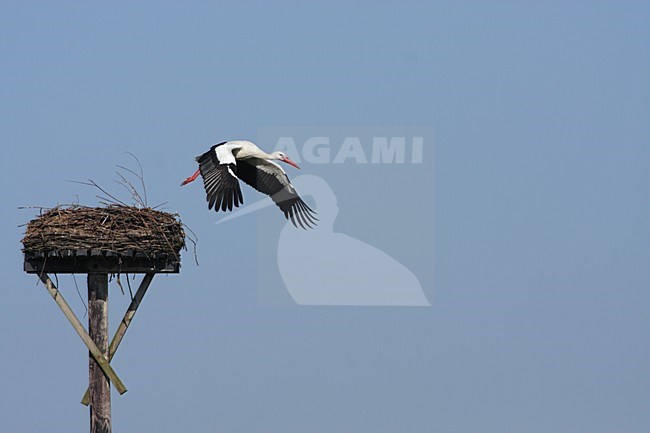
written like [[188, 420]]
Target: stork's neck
[[264, 155], [252, 152]]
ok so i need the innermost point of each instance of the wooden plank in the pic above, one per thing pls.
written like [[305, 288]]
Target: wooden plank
[[124, 325], [76, 324], [100, 264], [100, 386]]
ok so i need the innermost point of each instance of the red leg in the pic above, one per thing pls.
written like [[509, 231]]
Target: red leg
[[191, 178]]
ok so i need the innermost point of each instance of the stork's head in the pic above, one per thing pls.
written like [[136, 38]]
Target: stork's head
[[280, 156]]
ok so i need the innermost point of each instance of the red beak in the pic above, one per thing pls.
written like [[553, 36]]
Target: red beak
[[290, 162]]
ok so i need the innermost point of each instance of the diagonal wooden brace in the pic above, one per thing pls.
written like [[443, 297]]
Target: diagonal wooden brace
[[124, 325], [76, 324]]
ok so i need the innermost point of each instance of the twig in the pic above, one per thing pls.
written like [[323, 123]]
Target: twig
[[93, 183], [129, 186], [80, 297], [119, 283], [195, 241], [140, 176], [128, 283], [34, 207]]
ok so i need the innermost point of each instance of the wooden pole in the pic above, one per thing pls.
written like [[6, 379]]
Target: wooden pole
[[76, 324], [124, 324], [100, 386]]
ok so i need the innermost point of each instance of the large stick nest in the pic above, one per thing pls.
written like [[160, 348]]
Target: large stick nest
[[114, 228]]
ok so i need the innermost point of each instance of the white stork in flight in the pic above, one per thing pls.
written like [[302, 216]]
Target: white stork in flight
[[225, 163]]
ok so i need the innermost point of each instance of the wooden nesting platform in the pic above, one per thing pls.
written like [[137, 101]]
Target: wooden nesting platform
[[101, 241], [114, 239]]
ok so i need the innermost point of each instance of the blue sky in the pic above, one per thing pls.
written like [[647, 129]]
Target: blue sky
[[537, 200]]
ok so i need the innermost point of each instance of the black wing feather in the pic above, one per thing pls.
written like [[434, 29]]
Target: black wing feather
[[281, 192], [221, 187]]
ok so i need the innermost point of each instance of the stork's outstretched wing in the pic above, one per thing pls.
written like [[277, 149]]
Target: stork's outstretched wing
[[219, 172], [269, 178]]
